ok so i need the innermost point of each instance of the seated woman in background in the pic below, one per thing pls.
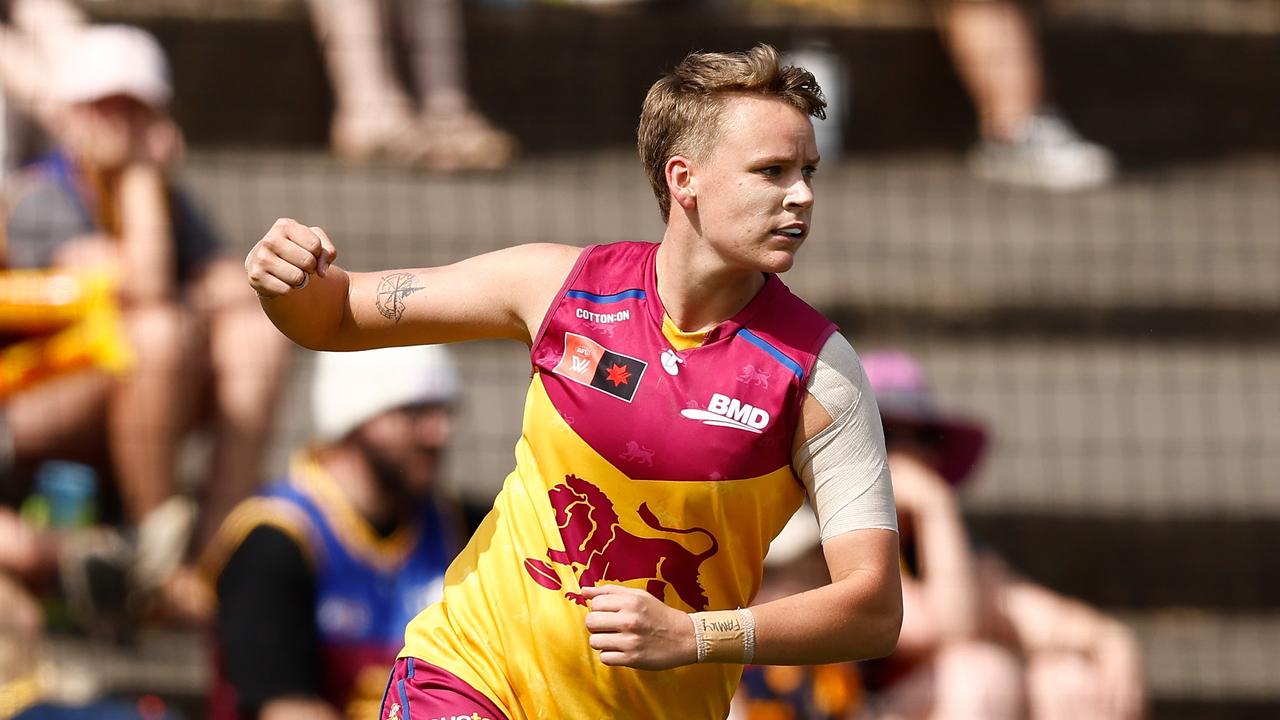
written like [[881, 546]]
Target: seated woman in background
[[105, 200], [978, 641]]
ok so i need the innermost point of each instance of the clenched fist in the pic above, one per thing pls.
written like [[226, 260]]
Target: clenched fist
[[630, 627], [286, 256]]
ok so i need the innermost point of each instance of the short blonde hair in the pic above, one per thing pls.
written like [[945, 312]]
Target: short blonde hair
[[682, 111]]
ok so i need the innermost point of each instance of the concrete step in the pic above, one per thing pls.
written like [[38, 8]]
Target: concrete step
[[1194, 655], [1216, 564]]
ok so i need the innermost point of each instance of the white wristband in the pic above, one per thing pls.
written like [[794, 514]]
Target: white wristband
[[748, 635]]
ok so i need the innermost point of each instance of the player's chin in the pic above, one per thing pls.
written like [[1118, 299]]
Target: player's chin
[[777, 259]]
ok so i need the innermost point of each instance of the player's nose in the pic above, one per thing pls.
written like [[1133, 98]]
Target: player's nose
[[799, 195]]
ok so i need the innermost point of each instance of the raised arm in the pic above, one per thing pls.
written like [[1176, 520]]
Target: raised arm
[[502, 294]]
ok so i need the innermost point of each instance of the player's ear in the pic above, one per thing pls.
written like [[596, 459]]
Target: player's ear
[[680, 182]]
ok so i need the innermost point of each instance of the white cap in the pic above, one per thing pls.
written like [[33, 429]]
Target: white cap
[[106, 60], [351, 388], [798, 536]]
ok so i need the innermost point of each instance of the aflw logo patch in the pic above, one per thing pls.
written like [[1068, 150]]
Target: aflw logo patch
[[724, 411], [589, 363]]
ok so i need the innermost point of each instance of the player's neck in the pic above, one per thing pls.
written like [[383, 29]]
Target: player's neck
[[698, 290]]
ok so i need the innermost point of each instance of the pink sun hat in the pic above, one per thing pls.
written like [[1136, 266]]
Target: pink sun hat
[[906, 401]]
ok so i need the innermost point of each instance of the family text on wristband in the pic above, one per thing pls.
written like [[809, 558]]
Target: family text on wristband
[[724, 636]]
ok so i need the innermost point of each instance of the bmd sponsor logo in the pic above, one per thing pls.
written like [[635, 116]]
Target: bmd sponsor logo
[[724, 411], [472, 716]]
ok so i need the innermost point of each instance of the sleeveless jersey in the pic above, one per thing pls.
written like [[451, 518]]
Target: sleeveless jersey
[[366, 587], [639, 465]]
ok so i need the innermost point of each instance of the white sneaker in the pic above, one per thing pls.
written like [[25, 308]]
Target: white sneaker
[[162, 541], [1048, 153]]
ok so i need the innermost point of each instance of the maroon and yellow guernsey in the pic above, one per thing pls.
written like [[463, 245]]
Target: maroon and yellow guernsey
[[648, 459]]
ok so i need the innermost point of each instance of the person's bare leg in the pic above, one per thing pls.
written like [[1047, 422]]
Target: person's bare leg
[[1061, 686], [370, 104], [439, 56], [996, 56], [980, 681], [971, 680], [247, 359], [455, 135], [146, 407], [910, 697], [61, 417]]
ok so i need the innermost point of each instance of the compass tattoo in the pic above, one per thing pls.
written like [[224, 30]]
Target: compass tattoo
[[392, 290]]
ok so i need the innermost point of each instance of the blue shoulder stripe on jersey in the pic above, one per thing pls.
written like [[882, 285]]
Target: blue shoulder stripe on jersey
[[764, 345], [624, 295]]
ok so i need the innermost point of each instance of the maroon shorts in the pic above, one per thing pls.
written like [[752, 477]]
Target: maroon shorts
[[421, 691]]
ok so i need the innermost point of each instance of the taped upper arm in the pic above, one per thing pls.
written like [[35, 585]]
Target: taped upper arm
[[843, 463]]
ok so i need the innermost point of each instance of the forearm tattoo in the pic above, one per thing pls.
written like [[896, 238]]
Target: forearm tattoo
[[392, 290]]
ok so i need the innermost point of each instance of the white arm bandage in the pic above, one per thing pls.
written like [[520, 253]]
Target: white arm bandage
[[845, 468]]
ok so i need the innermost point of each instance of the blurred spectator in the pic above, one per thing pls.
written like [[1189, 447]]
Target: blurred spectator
[[822, 692], [105, 200], [1023, 141], [375, 117], [30, 689], [977, 640], [32, 34], [318, 575]]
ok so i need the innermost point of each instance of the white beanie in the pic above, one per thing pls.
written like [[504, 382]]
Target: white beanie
[[351, 388], [798, 537], [106, 60]]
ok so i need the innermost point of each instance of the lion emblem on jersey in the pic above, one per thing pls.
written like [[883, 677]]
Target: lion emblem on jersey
[[637, 453], [597, 548], [752, 375]]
